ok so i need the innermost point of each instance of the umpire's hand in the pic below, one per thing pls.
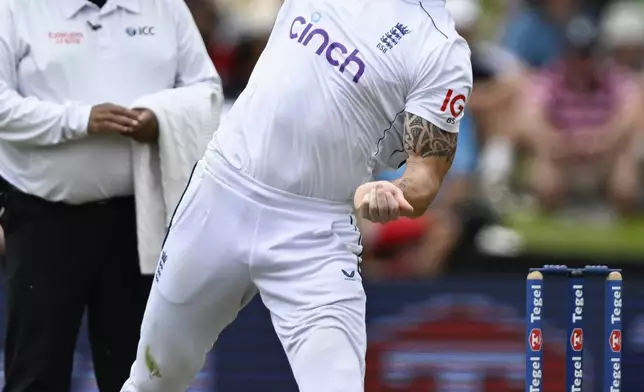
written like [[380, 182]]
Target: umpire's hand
[[110, 118]]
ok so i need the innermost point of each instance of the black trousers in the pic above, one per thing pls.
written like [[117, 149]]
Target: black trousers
[[61, 260]]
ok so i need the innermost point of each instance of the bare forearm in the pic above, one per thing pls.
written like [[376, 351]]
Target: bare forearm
[[430, 152], [419, 186]]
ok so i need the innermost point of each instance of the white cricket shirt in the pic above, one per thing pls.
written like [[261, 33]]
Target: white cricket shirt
[[325, 105], [60, 57]]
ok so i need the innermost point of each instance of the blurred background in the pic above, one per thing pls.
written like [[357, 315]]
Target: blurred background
[[548, 171]]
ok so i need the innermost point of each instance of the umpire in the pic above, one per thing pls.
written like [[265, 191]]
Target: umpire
[[69, 223]]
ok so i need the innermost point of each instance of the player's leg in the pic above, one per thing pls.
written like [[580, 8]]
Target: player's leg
[[202, 281], [310, 282]]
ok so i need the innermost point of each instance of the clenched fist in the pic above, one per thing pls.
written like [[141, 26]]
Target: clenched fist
[[381, 202]]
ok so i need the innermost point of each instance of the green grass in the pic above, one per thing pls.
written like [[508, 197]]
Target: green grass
[[580, 238]]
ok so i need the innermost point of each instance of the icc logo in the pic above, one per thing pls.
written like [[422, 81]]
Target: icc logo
[[145, 30], [535, 340], [455, 104], [615, 340], [577, 339]]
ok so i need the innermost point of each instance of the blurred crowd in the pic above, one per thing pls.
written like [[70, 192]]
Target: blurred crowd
[[554, 125]]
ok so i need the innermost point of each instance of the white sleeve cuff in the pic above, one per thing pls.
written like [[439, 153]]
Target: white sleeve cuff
[[77, 120]]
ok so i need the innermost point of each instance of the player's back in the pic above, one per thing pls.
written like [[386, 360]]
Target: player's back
[[323, 106]]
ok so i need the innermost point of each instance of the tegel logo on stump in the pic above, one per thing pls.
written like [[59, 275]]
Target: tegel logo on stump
[[306, 34]]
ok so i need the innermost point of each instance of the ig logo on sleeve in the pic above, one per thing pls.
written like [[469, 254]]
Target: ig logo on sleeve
[[455, 104]]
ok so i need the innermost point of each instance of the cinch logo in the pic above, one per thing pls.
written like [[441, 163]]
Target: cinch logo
[[334, 51], [536, 339], [145, 30]]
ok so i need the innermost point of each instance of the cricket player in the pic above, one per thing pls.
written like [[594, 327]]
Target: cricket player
[[344, 89]]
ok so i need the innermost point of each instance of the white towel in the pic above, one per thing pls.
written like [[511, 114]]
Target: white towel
[[188, 117]]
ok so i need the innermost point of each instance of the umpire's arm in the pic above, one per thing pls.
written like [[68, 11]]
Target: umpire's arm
[[27, 119]]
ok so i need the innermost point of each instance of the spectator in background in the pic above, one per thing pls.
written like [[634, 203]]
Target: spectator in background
[[212, 23], [622, 31], [205, 16], [579, 120], [536, 34], [70, 224], [252, 22], [207, 19], [500, 75], [498, 59]]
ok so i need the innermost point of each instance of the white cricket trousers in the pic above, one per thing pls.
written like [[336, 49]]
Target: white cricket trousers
[[231, 237]]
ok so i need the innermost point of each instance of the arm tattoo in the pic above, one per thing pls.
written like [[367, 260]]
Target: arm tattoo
[[424, 139]]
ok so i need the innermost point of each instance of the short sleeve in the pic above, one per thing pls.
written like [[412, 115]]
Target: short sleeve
[[441, 85]]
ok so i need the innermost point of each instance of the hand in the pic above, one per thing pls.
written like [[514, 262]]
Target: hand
[[148, 129], [109, 118], [381, 202]]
